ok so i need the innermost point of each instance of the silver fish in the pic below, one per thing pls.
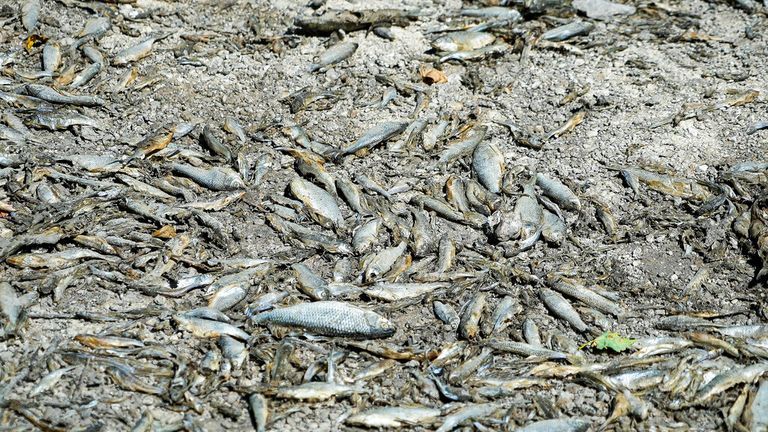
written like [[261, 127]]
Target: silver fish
[[567, 31], [329, 318], [335, 54], [394, 417], [375, 136], [30, 12], [488, 165], [561, 308], [217, 178]]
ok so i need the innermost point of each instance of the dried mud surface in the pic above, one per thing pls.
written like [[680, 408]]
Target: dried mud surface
[[246, 63]]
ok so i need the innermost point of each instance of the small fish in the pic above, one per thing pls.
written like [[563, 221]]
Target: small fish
[[51, 57], [55, 260], [569, 125], [561, 308], [217, 178], [382, 262], [399, 291], [321, 205], [212, 143], [365, 235], [477, 54], [567, 31], [445, 313], [61, 120], [95, 27], [49, 380], [498, 12], [375, 136], [30, 12], [573, 288], [96, 341], [310, 283], [526, 349], [209, 329], [502, 314], [464, 146], [136, 52], [557, 425], [472, 411], [558, 192], [470, 318], [233, 126], [462, 41], [352, 195], [488, 165], [329, 318], [85, 75], [335, 54], [259, 411], [531, 332], [726, 380], [316, 391], [50, 95], [394, 417]]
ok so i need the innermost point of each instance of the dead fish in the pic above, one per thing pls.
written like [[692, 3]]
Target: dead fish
[[56, 260], [136, 52], [395, 417], [374, 369], [60, 120], [477, 54], [365, 235], [557, 425], [49, 380], [445, 313], [51, 57], [502, 314], [573, 288], [30, 12], [759, 408], [479, 411], [526, 349], [383, 261], [567, 31], [259, 411], [352, 195], [329, 318], [216, 178], [209, 329], [488, 165], [372, 186], [234, 127], [462, 41], [558, 192], [561, 308], [464, 146], [85, 75], [498, 12], [12, 306], [320, 204], [375, 136], [399, 291], [310, 283], [95, 27], [569, 125], [335, 54], [212, 143], [470, 318], [50, 95], [316, 391], [553, 229], [723, 382], [108, 342]]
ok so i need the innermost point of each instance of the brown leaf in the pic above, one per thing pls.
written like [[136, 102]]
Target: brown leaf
[[431, 75], [166, 232]]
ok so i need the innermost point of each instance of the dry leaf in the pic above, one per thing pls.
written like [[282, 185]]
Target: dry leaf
[[431, 75]]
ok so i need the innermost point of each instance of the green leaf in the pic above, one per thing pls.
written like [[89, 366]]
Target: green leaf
[[611, 340]]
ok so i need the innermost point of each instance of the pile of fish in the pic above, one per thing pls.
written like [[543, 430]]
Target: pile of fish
[[241, 271]]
